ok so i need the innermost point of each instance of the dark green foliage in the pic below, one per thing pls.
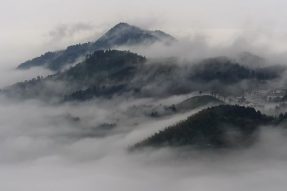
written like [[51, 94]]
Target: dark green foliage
[[102, 74], [110, 70], [217, 127], [109, 64]]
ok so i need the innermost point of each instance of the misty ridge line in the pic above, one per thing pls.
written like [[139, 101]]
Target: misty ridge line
[[182, 96], [121, 34], [118, 36], [111, 73], [126, 34], [191, 121]]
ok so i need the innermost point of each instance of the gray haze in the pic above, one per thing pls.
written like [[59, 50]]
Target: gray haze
[[31, 27], [42, 149], [45, 147]]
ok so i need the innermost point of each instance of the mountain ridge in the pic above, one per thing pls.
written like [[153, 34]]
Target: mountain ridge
[[223, 126], [121, 34], [123, 72]]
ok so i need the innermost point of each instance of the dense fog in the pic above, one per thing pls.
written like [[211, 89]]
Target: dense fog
[[44, 147], [52, 143]]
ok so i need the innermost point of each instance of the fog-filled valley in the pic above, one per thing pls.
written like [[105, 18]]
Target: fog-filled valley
[[72, 147], [135, 107]]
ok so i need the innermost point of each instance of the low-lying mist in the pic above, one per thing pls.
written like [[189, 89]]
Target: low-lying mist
[[85, 146], [200, 46], [46, 147]]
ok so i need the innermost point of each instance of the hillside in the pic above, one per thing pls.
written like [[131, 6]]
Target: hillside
[[101, 69], [225, 70], [222, 126]]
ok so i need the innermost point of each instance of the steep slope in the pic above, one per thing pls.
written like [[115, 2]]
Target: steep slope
[[102, 69], [110, 65], [217, 127], [122, 34], [59, 59]]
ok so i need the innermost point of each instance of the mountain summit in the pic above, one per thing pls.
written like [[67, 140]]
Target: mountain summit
[[125, 34], [121, 34]]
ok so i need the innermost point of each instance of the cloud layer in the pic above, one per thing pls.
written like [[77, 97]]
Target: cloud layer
[[42, 148]]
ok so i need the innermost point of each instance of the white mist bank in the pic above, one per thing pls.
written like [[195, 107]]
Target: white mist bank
[[42, 149]]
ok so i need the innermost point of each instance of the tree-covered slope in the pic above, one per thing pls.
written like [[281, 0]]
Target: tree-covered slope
[[225, 70], [100, 70], [222, 126], [110, 65], [114, 72]]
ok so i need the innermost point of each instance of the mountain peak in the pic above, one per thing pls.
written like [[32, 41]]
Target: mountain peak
[[126, 34], [122, 34], [121, 25], [122, 28]]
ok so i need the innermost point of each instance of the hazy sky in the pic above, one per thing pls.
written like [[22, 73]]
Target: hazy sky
[[29, 27]]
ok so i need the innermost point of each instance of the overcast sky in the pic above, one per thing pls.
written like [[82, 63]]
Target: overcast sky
[[30, 27]]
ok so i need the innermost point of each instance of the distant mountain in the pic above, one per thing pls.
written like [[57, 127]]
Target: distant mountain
[[167, 77], [223, 126], [101, 71], [122, 34], [111, 72], [125, 34], [226, 70], [251, 60]]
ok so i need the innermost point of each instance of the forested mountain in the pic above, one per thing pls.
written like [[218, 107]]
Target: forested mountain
[[112, 72], [226, 70], [222, 126], [102, 69], [122, 34]]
